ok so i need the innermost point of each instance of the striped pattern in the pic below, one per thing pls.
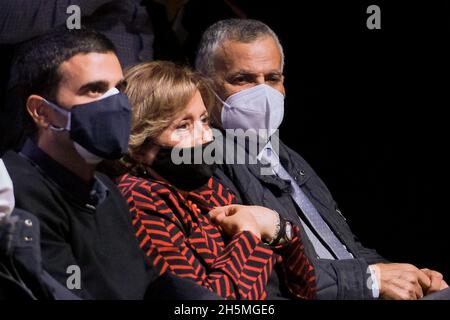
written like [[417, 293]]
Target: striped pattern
[[174, 231]]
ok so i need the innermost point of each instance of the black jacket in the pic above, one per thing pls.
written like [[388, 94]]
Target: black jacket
[[23, 278], [99, 239], [336, 279]]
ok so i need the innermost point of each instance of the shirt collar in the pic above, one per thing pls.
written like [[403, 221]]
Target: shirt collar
[[92, 194]]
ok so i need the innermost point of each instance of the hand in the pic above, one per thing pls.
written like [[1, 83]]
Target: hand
[[266, 219], [234, 219], [400, 281], [437, 281]]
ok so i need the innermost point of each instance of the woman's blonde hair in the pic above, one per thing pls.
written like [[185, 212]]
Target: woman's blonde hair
[[158, 91]]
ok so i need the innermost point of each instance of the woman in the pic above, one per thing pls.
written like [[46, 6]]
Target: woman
[[186, 221]]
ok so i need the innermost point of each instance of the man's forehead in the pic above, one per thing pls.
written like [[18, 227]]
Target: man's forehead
[[260, 56], [91, 67]]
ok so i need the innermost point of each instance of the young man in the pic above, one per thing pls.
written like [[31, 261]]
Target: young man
[[77, 117]]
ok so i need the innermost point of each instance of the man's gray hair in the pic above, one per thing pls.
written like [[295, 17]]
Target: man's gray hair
[[241, 30]]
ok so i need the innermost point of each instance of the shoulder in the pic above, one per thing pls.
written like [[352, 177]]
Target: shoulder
[[149, 200], [316, 184], [222, 190], [36, 193], [132, 184], [27, 178], [146, 193], [296, 157]]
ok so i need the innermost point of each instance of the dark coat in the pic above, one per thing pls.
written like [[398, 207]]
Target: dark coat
[[21, 273], [336, 279]]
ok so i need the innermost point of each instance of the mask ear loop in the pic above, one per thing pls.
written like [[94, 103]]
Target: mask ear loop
[[216, 117], [63, 112]]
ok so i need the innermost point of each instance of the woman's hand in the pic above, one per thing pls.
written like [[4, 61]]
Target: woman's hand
[[235, 218]]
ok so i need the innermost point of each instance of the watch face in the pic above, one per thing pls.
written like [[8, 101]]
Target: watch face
[[289, 231]]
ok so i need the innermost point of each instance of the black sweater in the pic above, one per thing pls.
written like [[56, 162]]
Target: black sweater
[[76, 230]]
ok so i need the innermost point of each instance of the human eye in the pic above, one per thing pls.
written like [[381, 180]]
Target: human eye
[[182, 126], [241, 79], [274, 78], [205, 119], [93, 90]]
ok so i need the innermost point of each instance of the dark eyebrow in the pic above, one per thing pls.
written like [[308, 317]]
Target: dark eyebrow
[[250, 73], [246, 76], [121, 85], [241, 73], [101, 86], [278, 73]]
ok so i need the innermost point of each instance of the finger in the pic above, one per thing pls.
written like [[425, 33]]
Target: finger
[[435, 278], [399, 293], [444, 285], [407, 295], [424, 280], [214, 216], [436, 281], [216, 211], [426, 271], [407, 288], [223, 209], [220, 218], [419, 292], [232, 209], [432, 273]]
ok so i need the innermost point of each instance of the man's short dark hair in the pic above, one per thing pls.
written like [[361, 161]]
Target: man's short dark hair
[[35, 69]]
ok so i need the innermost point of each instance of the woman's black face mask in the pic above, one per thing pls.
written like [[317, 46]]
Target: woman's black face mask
[[185, 168]]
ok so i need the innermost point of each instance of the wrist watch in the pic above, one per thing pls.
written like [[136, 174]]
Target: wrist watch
[[285, 233]]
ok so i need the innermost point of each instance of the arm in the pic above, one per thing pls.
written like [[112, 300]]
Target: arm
[[234, 273], [370, 256], [56, 252], [343, 279], [298, 271], [21, 20]]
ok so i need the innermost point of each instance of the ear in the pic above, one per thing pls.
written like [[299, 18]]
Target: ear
[[215, 114], [38, 110], [148, 154]]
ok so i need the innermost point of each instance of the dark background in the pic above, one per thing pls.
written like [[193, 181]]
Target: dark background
[[366, 108]]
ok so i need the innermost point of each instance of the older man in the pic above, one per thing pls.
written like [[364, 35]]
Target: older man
[[244, 59]]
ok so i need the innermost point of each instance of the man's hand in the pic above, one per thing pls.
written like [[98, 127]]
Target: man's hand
[[437, 281], [401, 281]]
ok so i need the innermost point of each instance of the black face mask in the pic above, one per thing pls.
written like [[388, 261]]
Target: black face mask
[[102, 127], [186, 173]]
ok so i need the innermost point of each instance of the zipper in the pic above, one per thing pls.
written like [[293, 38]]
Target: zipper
[[340, 213]]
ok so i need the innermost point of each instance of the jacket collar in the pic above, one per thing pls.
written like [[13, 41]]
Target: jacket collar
[[202, 194]]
